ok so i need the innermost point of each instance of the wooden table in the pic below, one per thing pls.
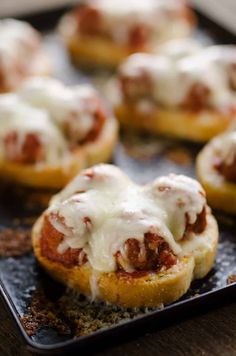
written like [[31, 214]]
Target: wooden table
[[212, 333]]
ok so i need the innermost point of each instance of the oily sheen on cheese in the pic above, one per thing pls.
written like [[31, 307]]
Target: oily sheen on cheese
[[117, 209]]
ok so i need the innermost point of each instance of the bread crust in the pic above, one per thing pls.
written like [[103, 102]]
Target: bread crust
[[195, 126], [151, 290], [56, 177], [220, 193]]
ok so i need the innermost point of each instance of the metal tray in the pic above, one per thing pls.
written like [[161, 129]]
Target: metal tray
[[143, 158]]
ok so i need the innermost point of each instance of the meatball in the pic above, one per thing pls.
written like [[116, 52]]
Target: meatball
[[153, 254], [51, 239], [29, 150]]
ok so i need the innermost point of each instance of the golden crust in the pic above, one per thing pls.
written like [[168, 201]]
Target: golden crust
[[149, 290], [220, 193], [56, 177], [200, 126]]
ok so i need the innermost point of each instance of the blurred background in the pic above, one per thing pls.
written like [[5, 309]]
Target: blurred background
[[222, 12], [25, 7]]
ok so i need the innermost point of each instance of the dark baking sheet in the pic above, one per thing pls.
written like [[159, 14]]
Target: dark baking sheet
[[27, 290]]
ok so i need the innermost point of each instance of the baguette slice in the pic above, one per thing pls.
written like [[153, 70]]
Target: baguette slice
[[150, 290], [56, 177]]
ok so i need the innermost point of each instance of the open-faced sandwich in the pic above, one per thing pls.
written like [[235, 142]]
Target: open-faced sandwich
[[186, 92], [131, 245], [216, 169], [49, 132], [21, 54], [104, 32]]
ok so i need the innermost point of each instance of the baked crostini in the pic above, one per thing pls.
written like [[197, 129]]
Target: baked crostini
[[49, 132], [216, 169], [130, 245], [104, 32], [185, 94], [21, 54]]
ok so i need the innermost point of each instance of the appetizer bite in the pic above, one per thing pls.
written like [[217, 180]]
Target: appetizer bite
[[216, 169], [104, 32], [49, 132], [130, 245], [21, 54], [184, 92]]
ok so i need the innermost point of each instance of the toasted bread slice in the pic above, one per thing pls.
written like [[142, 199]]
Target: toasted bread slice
[[55, 177], [149, 290]]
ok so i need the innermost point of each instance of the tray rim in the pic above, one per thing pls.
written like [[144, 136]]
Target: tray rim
[[80, 341]]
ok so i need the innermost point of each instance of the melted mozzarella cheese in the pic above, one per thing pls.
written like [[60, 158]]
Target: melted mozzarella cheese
[[19, 43], [163, 17], [179, 48], [225, 147], [179, 196], [118, 209], [75, 105], [16, 116], [174, 75], [123, 8]]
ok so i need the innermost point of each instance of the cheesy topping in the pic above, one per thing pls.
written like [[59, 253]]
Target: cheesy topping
[[76, 104], [180, 48], [16, 116], [165, 18], [225, 147], [173, 74], [44, 106], [19, 47], [102, 208]]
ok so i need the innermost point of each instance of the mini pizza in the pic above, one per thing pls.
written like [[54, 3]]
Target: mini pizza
[[104, 32], [216, 169], [130, 245], [49, 132], [21, 54], [185, 92]]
